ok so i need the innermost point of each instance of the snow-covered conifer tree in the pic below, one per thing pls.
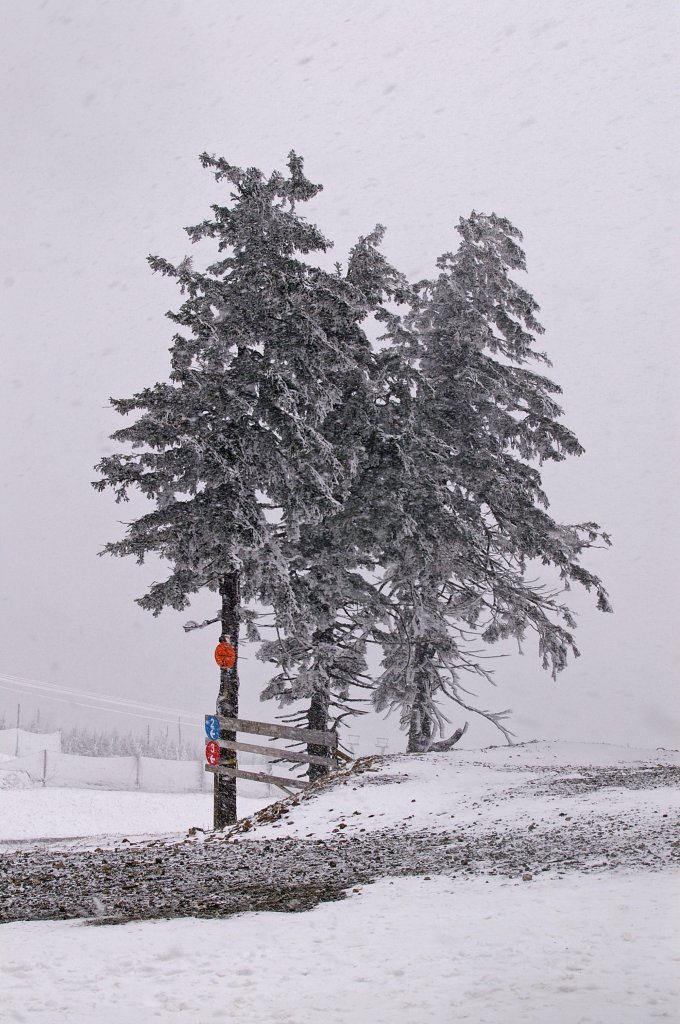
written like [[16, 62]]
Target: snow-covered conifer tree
[[322, 656], [230, 450], [473, 519]]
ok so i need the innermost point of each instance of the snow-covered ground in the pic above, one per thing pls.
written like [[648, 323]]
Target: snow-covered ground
[[102, 817], [558, 944], [422, 791], [598, 949]]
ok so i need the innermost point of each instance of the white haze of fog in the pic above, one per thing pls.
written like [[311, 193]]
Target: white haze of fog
[[558, 116]]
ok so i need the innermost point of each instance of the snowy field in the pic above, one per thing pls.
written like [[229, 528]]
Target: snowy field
[[564, 945], [37, 813], [600, 949], [100, 817]]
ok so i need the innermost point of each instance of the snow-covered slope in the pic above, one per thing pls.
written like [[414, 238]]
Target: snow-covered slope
[[88, 818], [544, 784]]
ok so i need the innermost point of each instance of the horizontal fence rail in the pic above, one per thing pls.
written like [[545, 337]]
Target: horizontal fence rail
[[276, 753], [229, 768], [285, 732], [238, 773]]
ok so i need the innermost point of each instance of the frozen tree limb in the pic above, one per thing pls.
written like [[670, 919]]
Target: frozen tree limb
[[188, 626], [453, 739]]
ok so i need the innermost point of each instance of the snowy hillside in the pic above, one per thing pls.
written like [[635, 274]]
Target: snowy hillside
[[534, 785]]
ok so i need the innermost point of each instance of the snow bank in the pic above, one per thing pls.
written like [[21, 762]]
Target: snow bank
[[507, 787], [597, 949], [20, 772]]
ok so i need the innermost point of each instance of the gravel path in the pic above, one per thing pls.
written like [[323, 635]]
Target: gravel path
[[219, 875]]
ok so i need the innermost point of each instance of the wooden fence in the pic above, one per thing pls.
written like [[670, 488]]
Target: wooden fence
[[329, 740]]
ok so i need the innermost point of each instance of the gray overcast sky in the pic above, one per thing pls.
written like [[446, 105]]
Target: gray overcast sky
[[561, 116]]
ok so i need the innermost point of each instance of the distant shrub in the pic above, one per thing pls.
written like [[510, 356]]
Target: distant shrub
[[79, 740]]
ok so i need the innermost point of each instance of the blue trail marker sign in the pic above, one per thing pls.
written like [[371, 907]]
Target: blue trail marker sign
[[212, 727]]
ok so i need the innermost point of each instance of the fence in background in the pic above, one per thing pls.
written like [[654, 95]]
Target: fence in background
[[48, 766], [17, 742]]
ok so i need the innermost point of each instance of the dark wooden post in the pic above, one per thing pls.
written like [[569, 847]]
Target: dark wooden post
[[227, 701]]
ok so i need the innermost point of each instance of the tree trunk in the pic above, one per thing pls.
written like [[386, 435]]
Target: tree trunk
[[420, 726], [317, 718], [317, 715], [227, 701]]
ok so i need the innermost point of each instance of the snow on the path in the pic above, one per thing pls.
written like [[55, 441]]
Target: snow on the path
[[103, 816], [596, 949]]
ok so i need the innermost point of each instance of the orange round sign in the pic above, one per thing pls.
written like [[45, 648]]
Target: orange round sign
[[225, 655]]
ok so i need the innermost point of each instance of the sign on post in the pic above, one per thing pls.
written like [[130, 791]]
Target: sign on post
[[212, 752], [225, 655], [212, 727]]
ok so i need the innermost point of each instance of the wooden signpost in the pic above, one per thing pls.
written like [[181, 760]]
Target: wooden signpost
[[213, 724]]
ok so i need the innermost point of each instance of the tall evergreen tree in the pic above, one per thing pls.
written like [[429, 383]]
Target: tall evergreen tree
[[473, 518], [231, 449], [321, 658]]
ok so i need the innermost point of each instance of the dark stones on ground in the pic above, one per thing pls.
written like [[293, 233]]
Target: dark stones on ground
[[220, 874], [219, 877]]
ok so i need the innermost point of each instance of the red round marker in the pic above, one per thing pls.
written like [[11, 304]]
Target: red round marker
[[225, 655], [212, 752]]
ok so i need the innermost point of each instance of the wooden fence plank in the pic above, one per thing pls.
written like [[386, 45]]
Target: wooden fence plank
[[238, 773], [276, 752], [287, 732]]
